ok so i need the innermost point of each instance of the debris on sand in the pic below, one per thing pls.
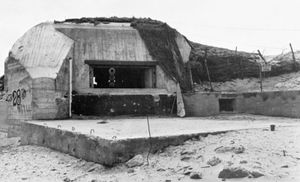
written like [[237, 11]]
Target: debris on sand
[[187, 152], [238, 172], [137, 160], [234, 149], [235, 172], [214, 161], [256, 174], [196, 175]]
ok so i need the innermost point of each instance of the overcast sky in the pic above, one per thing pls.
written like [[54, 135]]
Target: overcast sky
[[268, 25]]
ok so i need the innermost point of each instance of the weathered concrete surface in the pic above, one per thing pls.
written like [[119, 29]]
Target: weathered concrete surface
[[164, 81], [36, 75], [42, 50], [37, 72], [48, 102], [108, 105], [3, 113], [19, 91], [125, 91], [116, 42], [119, 43], [136, 127], [204, 104], [50, 96], [93, 148], [120, 139], [184, 47], [277, 103]]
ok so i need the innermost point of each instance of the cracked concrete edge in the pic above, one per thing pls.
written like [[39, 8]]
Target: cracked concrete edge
[[104, 151], [94, 148]]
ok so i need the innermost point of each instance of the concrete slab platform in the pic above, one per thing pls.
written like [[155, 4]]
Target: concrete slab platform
[[116, 140], [136, 127]]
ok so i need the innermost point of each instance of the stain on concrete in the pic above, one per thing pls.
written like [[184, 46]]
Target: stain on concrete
[[111, 105], [248, 95], [264, 96], [201, 104]]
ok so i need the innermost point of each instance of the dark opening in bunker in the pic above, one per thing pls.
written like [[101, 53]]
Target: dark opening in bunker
[[226, 105], [121, 74], [116, 77]]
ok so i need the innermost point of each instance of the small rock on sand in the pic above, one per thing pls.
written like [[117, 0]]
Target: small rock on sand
[[256, 174], [67, 180], [185, 158], [243, 162], [130, 171], [214, 161], [234, 149], [235, 172], [187, 152], [196, 175], [238, 172], [137, 160]]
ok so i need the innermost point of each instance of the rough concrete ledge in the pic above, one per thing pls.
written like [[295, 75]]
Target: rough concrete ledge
[[94, 148]]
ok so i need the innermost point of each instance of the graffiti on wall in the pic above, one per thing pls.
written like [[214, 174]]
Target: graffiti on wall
[[18, 107], [16, 97]]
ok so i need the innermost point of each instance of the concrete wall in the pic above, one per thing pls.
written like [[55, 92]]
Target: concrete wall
[[164, 81], [19, 91], [42, 50], [50, 96], [201, 104], [276, 103], [270, 103], [36, 75], [184, 47], [38, 98], [102, 43], [3, 112], [109, 43]]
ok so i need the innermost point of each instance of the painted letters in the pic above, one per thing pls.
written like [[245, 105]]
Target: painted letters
[[16, 96]]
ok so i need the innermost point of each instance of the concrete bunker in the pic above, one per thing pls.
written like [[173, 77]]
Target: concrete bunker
[[107, 68]]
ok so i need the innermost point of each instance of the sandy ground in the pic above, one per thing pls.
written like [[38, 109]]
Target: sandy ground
[[275, 154], [136, 127], [290, 81]]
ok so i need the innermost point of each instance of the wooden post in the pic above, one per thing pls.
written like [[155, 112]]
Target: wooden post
[[261, 79], [294, 59], [240, 63], [260, 55], [70, 87], [207, 71], [260, 69]]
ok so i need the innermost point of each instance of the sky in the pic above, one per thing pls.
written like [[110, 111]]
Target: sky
[[249, 25]]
